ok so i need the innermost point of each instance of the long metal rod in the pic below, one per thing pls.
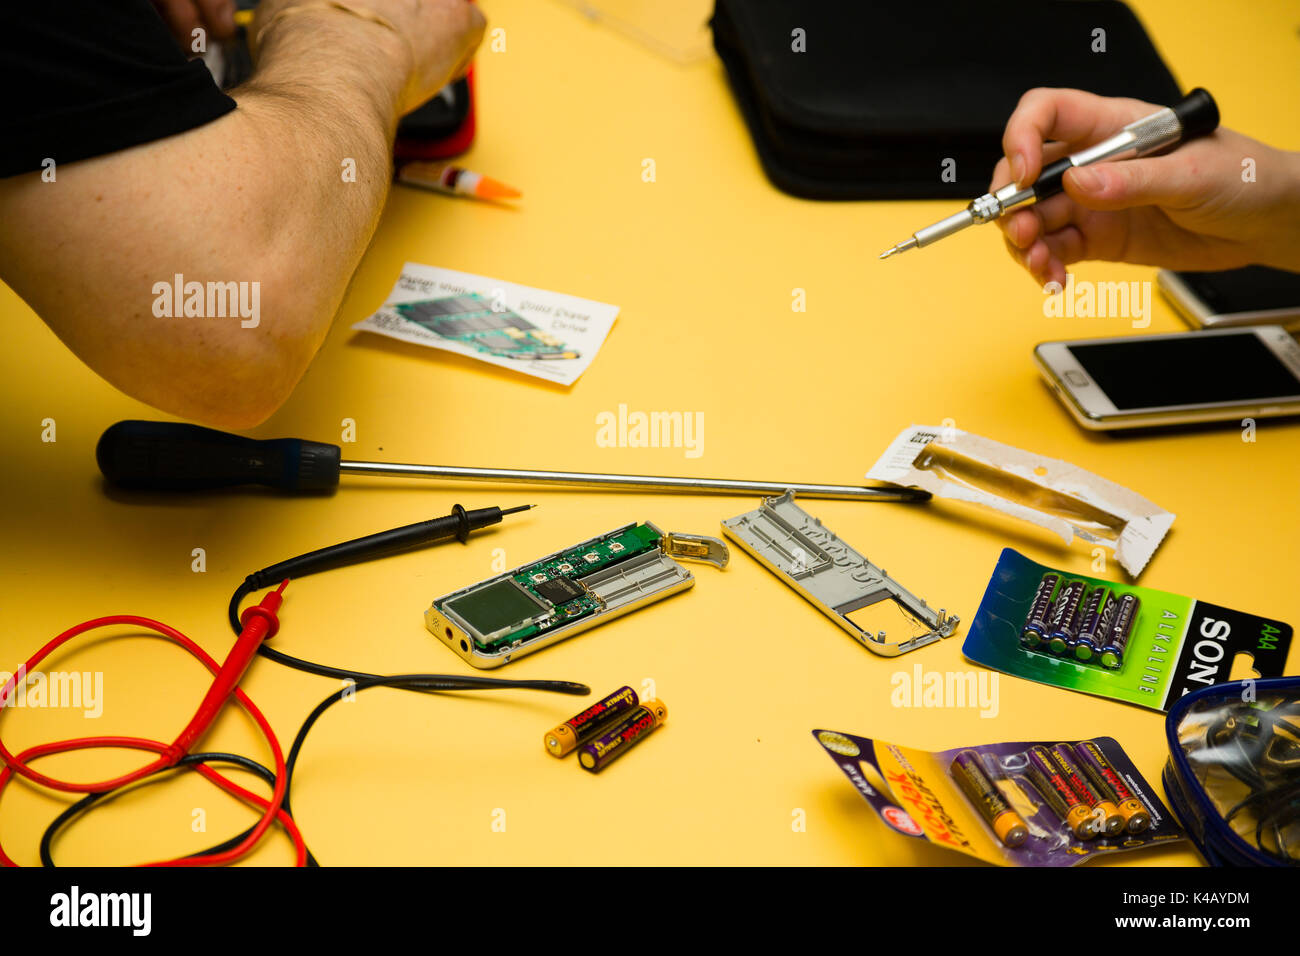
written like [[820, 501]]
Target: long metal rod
[[882, 491]]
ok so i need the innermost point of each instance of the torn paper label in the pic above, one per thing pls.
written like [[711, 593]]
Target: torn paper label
[[545, 334], [1046, 491]]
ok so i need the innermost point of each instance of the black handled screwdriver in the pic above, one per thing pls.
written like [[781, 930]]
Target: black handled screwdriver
[[1195, 115], [167, 456]]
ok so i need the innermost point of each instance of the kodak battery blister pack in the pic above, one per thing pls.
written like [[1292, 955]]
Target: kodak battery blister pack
[[1027, 803]]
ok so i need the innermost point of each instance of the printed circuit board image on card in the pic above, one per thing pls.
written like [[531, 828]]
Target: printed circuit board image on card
[[475, 321]]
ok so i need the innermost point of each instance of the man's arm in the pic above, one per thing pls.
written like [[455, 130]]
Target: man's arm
[[257, 196]]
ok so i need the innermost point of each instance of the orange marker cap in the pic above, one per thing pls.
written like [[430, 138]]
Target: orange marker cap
[[489, 188]]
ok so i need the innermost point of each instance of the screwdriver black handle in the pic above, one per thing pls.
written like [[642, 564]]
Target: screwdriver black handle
[[168, 456], [1195, 115]]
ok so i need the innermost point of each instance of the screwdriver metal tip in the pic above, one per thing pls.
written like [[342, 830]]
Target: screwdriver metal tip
[[908, 243]]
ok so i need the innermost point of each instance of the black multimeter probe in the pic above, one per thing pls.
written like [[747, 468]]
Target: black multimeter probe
[[457, 525]]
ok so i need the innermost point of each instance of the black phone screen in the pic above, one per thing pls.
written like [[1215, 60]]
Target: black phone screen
[[1188, 369], [1252, 289]]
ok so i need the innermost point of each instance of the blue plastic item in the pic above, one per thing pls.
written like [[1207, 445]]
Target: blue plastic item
[[1233, 775]]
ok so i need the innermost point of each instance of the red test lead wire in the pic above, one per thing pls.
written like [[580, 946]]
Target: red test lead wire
[[259, 623]]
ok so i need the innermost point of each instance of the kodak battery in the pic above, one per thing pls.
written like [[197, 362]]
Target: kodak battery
[[1046, 792], [586, 726], [621, 736], [1036, 624], [988, 800], [1078, 814], [1105, 815], [1098, 767]]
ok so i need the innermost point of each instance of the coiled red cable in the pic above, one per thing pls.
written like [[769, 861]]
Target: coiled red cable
[[259, 623]]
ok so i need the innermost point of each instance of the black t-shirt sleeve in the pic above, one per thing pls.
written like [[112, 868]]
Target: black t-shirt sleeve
[[81, 78]]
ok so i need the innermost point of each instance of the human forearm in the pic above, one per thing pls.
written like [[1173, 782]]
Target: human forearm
[[284, 192]]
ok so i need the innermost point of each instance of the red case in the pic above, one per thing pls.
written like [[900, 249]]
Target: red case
[[409, 148]]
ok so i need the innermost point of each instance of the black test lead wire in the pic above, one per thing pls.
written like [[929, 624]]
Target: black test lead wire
[[91, 799], [456, 525], [422, 682]]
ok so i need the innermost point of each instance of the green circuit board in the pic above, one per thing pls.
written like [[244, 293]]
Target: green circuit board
[[482, 325], [533, 599]]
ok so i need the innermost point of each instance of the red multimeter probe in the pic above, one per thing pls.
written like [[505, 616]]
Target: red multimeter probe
[[259, 623]]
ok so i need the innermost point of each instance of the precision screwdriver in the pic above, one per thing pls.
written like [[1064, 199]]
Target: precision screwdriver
[[167, 456], [1196, 115]]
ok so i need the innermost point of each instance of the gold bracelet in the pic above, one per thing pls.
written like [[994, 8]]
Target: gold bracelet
[[363, 13]]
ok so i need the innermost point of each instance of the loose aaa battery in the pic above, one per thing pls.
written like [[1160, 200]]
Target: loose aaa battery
[[988, 799], [622, 735], [1065, 623], [586, 726], [1094, 762], [1036, 624], [1121, 629], [1106, 816], [1098, 612], [1078, 814]]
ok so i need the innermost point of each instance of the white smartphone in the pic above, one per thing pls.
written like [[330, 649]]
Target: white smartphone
[[1255, 295], [1137, 381]]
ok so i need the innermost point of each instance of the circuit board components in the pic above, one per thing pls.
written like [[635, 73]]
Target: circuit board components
[[835, 578], [521, 611], [486, 326]]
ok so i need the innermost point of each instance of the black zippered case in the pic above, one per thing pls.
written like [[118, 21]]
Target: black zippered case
[[882, 94]]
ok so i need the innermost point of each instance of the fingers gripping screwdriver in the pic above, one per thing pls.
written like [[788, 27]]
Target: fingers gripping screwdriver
[[1197, 115], [167, 456]]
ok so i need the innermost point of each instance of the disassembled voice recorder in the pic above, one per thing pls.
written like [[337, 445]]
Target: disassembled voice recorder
[[809, 557], [503, 618]]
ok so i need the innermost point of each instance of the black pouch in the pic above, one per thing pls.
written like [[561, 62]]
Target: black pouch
[[883, 95]]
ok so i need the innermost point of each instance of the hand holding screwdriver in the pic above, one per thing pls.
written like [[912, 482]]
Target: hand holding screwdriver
[[1193, 208]]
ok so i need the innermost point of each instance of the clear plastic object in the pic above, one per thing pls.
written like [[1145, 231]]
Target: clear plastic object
[[675, 29], [1233, 776]]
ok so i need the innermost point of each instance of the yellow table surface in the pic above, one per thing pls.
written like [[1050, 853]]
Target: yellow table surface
[[702, 262]]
